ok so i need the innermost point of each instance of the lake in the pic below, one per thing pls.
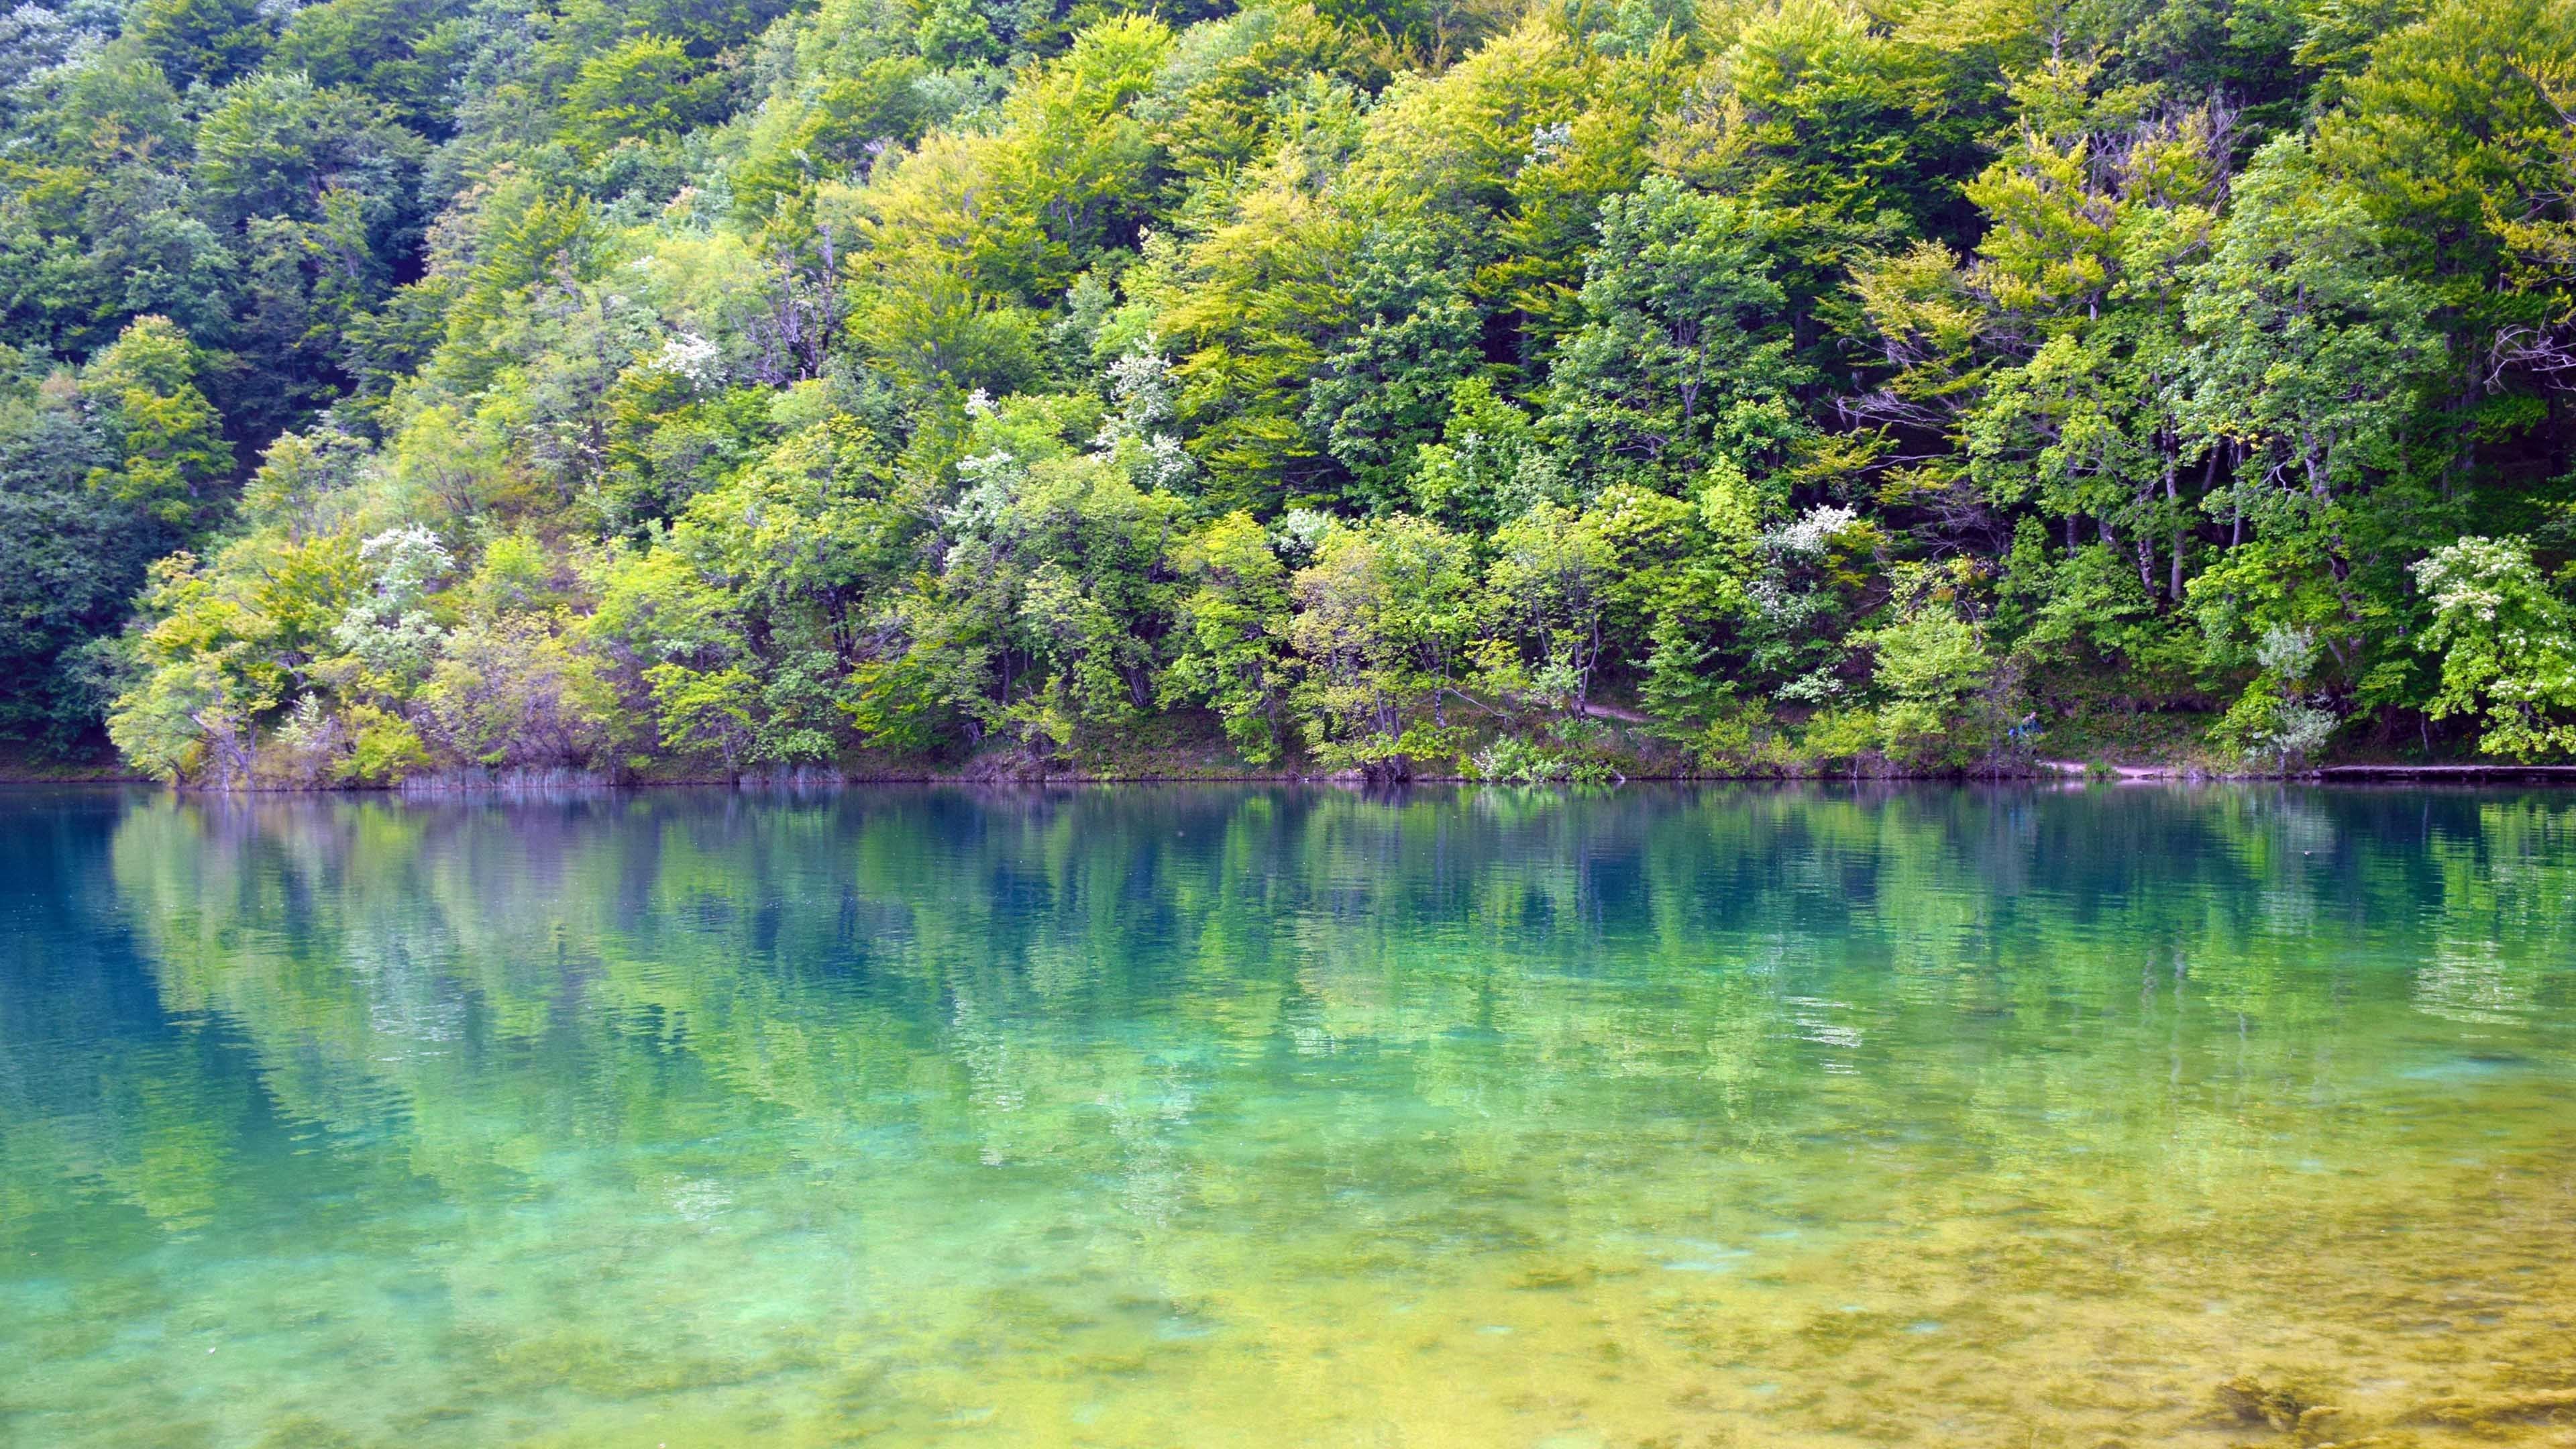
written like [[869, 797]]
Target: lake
[[1263, 1116]]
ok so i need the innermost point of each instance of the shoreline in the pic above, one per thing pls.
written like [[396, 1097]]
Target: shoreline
[[2055, 773]]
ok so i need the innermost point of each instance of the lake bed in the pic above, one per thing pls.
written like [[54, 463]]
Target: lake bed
[[1144, 1115]]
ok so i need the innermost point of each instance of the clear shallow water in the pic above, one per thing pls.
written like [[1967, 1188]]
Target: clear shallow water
[[1159, 1117]]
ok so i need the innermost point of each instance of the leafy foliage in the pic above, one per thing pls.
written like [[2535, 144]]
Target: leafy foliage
[[638, 386]]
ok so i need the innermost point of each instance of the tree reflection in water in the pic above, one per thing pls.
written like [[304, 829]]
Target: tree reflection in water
[[1134, 1115]]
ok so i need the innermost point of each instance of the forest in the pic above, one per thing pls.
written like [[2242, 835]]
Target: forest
[[405, 389]]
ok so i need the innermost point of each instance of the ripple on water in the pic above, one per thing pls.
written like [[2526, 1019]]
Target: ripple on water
[[1324, 1119]]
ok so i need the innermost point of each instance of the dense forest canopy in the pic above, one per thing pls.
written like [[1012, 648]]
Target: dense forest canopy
[[723, 385]]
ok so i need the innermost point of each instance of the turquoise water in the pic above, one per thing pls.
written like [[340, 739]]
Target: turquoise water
[[1142, 1116]]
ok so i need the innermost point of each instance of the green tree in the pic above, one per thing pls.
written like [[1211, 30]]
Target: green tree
[[1413, 334], [171, 455], [517, 693], [1235, 625], [201, 40], [2507, 642], [71, 560], [1931, 668], [2082, 273], [1548, 591], [1681, 338], [393, 630], [645, 88], [2309, 351], [403, 54], [1386, 613]]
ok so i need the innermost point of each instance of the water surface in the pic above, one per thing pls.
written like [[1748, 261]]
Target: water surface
[[1153, 1117]]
